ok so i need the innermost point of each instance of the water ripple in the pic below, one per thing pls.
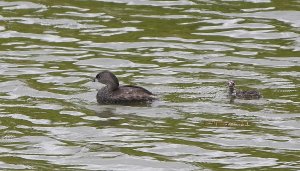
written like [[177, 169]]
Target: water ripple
[[42, 37], [20, 5], [183, 51]]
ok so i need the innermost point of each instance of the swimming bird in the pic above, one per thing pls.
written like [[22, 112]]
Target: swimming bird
[[246, 94], [113, 93]]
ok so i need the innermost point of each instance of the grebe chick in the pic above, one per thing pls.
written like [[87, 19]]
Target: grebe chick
[[246, 94]]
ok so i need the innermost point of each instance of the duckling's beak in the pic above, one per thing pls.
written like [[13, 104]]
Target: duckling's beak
[[94, 79]]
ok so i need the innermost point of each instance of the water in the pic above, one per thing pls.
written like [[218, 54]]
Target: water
[[183, 51]]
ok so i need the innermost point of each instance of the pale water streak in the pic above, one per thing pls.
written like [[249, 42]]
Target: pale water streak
[[184, 51]]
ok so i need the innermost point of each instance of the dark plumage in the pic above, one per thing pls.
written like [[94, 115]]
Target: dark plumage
[[112, 93], [247, 94]]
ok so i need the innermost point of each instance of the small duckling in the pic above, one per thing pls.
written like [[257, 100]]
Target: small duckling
[[247, 94]]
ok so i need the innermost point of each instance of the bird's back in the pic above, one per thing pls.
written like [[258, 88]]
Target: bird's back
[[248, 94], [125, 94], [132, 93]]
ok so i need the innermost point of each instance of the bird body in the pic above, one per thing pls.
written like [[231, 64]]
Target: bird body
[[246, 94], [112, 93]]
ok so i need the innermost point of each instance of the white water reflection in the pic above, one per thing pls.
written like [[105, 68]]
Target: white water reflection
[[20, 5], [42, 37], [139, 45], [17, 89], [111, 63], [152, 3], [291, 17], [13, 166], [188, 153], [57, 23], [263, 34]]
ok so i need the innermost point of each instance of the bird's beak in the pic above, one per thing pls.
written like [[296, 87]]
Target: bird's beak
[[94, 79]]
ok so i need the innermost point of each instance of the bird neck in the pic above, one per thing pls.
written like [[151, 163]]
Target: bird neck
[[231, 90], [112, 86]]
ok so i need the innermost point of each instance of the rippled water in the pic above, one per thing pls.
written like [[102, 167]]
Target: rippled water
[[184, 51]]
